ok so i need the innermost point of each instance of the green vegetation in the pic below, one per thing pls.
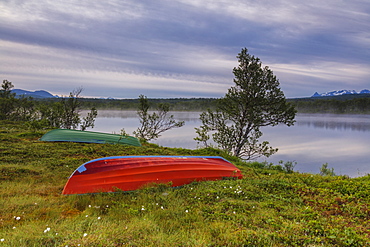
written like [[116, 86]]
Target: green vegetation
[[271, 206], [57, 114], [325, 171], [153, 124], [255, 101], [7, 100]]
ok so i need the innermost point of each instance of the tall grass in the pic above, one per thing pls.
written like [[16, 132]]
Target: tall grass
[[268, 207]]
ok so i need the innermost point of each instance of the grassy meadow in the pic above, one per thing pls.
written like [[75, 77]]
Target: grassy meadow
[[270, 206]]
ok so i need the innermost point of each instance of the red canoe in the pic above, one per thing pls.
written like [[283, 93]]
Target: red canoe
[[126, 173]]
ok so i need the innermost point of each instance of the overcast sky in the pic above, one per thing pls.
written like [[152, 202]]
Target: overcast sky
[[182, 48]]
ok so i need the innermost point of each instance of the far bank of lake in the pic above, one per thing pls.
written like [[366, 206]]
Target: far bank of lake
[[342, 141]]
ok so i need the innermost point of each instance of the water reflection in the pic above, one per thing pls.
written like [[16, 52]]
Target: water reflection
[[335, 122], [342, 141]]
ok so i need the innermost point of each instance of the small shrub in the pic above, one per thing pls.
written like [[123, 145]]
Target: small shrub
[[325, 171], [288, 166]]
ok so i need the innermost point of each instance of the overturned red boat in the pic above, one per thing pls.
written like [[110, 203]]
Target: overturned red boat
[[127, 173]]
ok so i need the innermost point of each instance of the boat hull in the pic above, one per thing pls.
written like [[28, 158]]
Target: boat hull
[[68, 135], [127, 173]]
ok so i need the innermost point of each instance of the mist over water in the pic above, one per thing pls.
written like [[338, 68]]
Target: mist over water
[[342, 141]]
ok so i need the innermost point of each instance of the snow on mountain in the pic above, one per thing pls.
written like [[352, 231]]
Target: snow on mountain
[[365, 91], [340, 92]]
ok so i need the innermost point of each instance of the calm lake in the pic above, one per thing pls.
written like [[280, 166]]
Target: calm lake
[[342, 141]]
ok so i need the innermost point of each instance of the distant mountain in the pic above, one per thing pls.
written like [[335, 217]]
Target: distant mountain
[[340, 92], [364, 91], [35, 94]]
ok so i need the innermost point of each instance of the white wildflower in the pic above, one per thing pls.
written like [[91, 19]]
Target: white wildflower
[[99, 218], [2, 240], [85, 234]]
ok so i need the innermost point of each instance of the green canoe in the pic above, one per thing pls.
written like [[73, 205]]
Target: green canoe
[[67, 135]]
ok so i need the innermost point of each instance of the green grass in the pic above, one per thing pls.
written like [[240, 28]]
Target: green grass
[[268, 207]]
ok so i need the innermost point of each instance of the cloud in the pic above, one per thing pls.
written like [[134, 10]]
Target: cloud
[[171, 43], [51, 69], [330, 71]]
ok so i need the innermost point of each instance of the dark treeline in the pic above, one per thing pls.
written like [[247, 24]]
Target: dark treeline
[[176, 104], [345, 104]]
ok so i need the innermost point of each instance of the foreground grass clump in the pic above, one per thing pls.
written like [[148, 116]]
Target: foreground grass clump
[[268, 207]]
